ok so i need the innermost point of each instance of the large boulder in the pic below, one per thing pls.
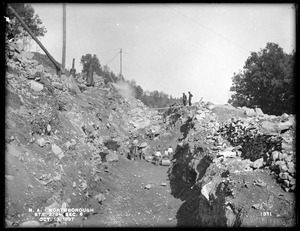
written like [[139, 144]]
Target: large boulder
[[259, 112], [57, 151], [249, 111], [287, 124], [27, 55], [57, 85], [36, 86], [143, 145], [258, 163], [112, 157], [270, 128]]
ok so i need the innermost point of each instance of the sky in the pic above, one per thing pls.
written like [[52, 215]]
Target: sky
[[173, 48]]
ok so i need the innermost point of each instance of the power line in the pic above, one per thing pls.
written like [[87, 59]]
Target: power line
[[221, 36], [112, 58]]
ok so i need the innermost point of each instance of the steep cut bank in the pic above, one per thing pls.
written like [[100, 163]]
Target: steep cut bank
[[235, 170], [61, 139]]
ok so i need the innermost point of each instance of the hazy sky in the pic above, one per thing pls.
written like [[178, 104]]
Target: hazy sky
[[173, 48]]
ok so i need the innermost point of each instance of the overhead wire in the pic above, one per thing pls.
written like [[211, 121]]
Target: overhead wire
[[205, 27], [112, 59]]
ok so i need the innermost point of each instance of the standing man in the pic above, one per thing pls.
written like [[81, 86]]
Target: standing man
[[134, 149], [166, 154], [184, 99], [190, 99], [141, 153], [170, 151], [152, 134], [157, 156]]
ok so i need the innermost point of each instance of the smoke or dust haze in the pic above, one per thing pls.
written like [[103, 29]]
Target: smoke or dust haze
[[124, 89]]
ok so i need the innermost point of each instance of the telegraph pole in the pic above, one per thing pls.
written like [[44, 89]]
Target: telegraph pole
[[64, 37], [56, 64], [121, 62]]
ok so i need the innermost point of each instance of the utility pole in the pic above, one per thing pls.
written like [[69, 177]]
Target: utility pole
[[121, 62], [64, 37], [56, 64]]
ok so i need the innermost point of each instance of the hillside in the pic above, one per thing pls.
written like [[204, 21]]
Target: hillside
[[67, 165]]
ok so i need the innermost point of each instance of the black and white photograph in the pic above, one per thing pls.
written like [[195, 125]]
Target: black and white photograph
[[149, 115]]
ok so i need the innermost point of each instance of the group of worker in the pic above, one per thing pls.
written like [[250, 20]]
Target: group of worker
[[184, 98], [137, 153], [167, 155]]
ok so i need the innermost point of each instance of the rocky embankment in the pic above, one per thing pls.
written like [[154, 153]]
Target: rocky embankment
[[235, 167], [61, 137]]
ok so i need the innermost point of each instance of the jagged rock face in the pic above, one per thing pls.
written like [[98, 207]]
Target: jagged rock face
[[215, 179], [62, 138]]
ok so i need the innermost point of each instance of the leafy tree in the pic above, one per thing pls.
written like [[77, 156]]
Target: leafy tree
[[108, 75], [266, 81], [88, 59], [138, 92], [32, 20]]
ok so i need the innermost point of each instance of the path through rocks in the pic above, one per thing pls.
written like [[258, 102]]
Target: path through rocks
[[130, 203]]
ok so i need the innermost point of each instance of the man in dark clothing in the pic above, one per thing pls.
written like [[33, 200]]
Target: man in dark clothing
[[190, 99], [141, 153], [184, 99]]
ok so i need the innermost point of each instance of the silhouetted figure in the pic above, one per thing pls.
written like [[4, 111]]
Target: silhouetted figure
[[134, 149], [184, 99], [157, 158], [141, 154], [152, 134], [170, 151], [190, 99]]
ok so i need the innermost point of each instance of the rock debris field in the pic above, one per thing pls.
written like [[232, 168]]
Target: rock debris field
[[67, 165]]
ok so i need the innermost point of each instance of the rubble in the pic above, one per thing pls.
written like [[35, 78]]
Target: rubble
[[228, 150], [36, 86]]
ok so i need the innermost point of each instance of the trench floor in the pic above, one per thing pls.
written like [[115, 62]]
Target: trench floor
[[130, 204]]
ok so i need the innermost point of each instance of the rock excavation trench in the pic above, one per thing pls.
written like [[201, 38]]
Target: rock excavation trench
[[67, 165]]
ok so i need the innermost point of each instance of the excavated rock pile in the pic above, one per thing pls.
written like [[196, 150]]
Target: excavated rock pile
[[232, 171], [60, 138], [266, 142]]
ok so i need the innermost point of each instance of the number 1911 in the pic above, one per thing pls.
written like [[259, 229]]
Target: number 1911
[[266, 214]]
